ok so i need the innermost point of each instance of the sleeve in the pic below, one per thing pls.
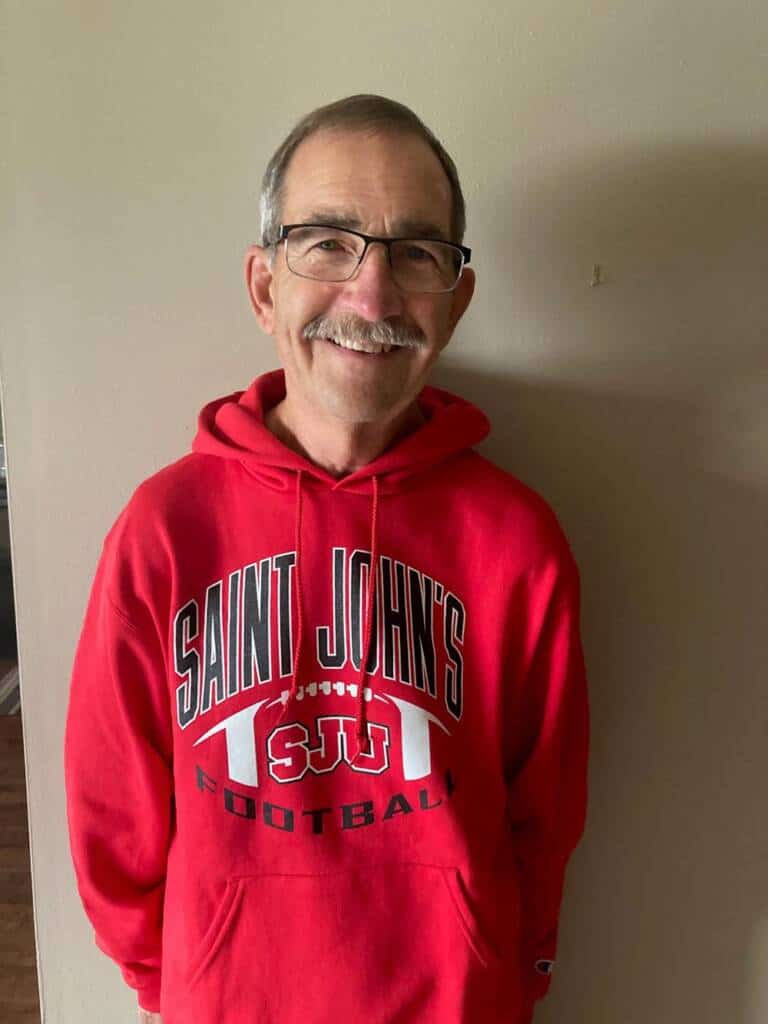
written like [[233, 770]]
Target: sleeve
[[547, 780], [118, 780]]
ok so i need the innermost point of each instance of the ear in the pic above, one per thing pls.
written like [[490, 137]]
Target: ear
[[462, 295], [258, 281]]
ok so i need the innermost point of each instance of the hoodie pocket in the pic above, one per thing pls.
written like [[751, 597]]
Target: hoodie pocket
[[370, 940], [217, 930], [473, 930]]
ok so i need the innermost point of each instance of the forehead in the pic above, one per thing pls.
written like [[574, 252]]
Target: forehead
[[376, 182]]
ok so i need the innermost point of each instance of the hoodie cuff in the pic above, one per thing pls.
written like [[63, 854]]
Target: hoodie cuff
[[149, 994]]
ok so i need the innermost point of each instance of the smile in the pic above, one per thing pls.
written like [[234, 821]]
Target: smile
[[359, 349]]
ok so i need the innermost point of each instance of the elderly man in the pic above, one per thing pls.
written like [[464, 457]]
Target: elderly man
[[326, 745]]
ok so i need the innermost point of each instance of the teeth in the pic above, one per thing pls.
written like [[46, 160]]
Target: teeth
[[359, 346]]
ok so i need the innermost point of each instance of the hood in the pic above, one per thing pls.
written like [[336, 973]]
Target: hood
[[232, 427]]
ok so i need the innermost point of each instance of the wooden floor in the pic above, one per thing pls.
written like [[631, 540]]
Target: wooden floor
[[18, 973]]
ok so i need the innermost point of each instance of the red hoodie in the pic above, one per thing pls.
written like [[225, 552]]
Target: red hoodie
[[268, 826]]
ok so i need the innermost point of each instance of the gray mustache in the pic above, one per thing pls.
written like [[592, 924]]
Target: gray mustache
[[351, 328]]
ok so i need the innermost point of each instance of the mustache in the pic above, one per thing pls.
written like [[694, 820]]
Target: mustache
[[348, 327]]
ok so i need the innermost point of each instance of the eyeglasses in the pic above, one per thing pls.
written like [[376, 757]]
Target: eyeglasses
[[322, 252]]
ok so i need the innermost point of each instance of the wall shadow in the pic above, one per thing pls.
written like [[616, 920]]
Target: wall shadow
[[649, 440]]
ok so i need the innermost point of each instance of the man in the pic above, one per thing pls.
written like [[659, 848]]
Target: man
[[327, 738]]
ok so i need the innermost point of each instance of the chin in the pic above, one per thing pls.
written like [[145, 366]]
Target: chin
[[356, 412], [361, 409]]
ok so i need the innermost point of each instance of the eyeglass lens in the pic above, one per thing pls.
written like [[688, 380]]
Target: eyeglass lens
[[330, 254]]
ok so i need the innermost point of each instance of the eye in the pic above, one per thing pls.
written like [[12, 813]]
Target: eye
[[418, 255]]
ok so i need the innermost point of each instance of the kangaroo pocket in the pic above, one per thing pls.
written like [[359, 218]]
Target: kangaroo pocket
[[388, 943]]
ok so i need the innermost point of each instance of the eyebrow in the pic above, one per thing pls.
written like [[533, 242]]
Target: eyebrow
[[406, 228]]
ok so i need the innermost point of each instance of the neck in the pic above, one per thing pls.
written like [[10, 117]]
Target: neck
[[338, 447]]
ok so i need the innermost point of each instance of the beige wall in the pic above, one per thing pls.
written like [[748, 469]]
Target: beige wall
[[628, 134]]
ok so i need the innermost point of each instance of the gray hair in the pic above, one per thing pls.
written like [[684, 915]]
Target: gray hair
[[362, 112]]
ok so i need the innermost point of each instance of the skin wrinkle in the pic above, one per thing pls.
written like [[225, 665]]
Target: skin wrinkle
[[405, 228]]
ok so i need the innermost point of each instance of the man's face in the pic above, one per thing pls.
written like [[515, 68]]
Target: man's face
[[381, 185]]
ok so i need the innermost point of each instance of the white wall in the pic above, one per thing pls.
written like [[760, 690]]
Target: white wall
[[628, 134]]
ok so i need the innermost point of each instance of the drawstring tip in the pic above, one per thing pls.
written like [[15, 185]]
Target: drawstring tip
[[363, 743], [283, 710]]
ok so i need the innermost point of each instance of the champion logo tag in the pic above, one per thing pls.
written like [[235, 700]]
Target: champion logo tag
[[544, 966]]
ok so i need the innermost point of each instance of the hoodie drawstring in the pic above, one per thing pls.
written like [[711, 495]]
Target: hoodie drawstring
[[362, 723], [299, 602], [363, 739]]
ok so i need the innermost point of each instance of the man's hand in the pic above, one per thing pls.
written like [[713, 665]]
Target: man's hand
[[146, 1017]]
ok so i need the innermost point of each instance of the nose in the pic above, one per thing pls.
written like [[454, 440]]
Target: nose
[[371, 291]]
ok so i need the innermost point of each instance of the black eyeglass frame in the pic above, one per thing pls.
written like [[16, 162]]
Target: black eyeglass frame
[[466, 254]]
